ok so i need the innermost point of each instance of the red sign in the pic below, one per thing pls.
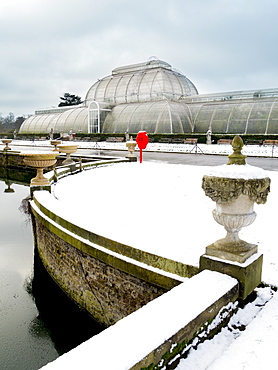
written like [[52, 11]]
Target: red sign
[[142, 140]]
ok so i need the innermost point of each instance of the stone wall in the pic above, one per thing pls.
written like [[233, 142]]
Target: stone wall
[[162, 332], [106, 292], [11, 159], [108, 279]]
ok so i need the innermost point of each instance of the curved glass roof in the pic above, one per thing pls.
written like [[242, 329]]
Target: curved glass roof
[[256, 116], [150, 81], [39, 123], [75, 119], [154, 117]]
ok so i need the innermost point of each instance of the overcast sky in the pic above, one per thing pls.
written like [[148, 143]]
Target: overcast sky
[[49, 47]]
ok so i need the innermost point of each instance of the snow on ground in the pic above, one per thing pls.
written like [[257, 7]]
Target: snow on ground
[[249, 150], [253, 348], [161, 208], [168, 206], [136, 204]]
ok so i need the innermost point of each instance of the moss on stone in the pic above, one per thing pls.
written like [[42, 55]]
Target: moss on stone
[[159, 262]]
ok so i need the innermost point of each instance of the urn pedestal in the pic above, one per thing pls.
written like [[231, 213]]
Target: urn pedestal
[[233, 216], [55, 143], [235, 188], [40, 161], [131, 145], [68, 150]]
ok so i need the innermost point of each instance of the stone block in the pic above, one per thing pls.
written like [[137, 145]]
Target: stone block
[[34, 188], [248, 273], [131, 158]]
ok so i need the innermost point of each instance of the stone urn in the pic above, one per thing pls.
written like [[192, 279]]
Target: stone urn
[[7, 142], [131, 145], [68, 149], [55, 143], [40, 161], [235, 188]]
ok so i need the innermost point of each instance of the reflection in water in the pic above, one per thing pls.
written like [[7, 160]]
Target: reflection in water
[[68, 325], [35, 325], [8, 189]]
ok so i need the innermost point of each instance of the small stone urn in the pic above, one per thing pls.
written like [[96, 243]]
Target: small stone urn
[[55, 143], [40, 161], [235, 188], [68, 150], [131, 145], [7, 142]]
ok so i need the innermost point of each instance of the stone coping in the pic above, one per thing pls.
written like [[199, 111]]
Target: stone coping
[[170, 334], [146, 266]]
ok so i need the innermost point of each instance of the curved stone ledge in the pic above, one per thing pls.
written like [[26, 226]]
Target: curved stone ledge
[[165, 264], [160, 278], [107, 279]]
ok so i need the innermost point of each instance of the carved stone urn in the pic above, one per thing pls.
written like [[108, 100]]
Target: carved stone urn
[[40, 161], [55, 143], [68, 150], [7, 142], [131, 145], [235, 188]]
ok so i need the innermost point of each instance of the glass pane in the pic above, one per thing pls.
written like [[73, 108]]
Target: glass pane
[[220, 118], [100, 93], [180, 118], [273, 120], [258, 118], [203, 118], [120, 94], [239, 117]]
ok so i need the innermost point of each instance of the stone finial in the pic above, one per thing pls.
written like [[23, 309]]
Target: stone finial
[[237, 157]]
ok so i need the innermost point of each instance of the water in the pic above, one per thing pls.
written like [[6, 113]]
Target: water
[[37, 321]]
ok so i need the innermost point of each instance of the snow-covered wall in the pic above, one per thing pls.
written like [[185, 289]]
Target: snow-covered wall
[[146, 338], [94, 271]]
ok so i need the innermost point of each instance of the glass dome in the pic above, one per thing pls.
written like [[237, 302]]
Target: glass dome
[[150, 81]]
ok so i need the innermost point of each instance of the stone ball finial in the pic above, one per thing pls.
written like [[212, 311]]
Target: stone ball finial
[[237, 157]]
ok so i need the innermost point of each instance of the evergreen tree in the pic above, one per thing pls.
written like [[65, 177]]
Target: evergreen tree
[[69, 99]]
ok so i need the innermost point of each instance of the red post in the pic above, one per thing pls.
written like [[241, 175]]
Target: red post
[[142, 140]]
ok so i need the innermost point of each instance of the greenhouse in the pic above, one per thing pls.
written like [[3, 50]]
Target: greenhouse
[[156, 98], [236, 112]]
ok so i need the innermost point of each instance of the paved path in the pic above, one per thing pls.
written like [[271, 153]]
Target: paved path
[[267, 163], [193, 159]]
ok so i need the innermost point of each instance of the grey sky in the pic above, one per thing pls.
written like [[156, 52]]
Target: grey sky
[[49, 47]]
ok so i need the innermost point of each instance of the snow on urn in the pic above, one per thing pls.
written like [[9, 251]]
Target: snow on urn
[[68, 149], [235, 187], [131, 145], [55, 143]]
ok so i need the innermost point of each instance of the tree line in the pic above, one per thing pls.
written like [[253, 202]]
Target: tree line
[[9, 123]]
